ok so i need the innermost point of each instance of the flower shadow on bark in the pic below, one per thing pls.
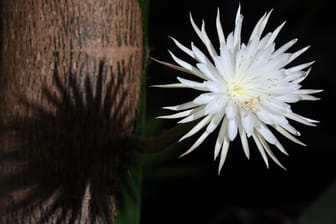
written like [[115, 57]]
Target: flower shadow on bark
[[71, 162]]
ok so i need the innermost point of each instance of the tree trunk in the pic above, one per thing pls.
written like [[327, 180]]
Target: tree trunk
[[70, 73]]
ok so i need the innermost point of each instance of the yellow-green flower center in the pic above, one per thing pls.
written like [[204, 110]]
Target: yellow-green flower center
[[240, 92], [237, 89]]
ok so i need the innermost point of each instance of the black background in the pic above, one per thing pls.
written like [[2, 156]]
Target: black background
[[245, 186]]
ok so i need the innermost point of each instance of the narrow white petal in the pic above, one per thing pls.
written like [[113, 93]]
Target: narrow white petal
[[298, 53], [230, 43], [248, 123], [196, 29], [290, 129], [279, 119], [220, 32], [259, 28], [281, 148], [300, 67], [206, 71], [284, 47], [237, 30], [181, 62], [203, 36], [215, 121], [173, 85], [225, 149], [183, 48], [207, 42], [196, 144], [204, 98], [232, 129], [261, 149], [303, 77], [275, 34], [301, 119], [254, 35], [309, 97], [199, 55], [183, 106], [187, 66], [231, 110], [193, 70], [288, 135], [177, 115], [308, 91], [197, 127], [198, 113], [294, 76], [193, 84], [267, 134], [216, 87], [269, 152], [264, 41], [244, 141], [220, 138]]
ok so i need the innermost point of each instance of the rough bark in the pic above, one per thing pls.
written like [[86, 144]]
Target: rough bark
[[69, 82]]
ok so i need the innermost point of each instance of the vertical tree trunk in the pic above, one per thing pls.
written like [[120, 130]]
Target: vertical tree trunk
[[65, 65]]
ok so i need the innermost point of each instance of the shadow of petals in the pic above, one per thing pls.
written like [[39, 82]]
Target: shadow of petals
[[68, 163]]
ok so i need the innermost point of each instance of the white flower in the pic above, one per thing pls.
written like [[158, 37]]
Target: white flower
[[246, 89]]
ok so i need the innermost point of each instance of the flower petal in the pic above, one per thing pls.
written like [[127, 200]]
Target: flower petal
[[196, 144], [269, 151], [301, 119], [244, 141], [225, 149], [176, 115], [215, 121], [259, 28], [220, 138], [220, 32], [193, 84], [197, 127], [298, 53], [237, 30], [261, 149], [232, 129], [187, 66], [284, 47], [183, 48], [247, 122], [183, 106], [288, 135]]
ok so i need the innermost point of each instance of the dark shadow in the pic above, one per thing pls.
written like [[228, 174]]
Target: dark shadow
[[68, 163], [236, 215]]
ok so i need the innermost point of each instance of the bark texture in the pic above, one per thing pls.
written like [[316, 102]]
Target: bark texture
[[69, 85]]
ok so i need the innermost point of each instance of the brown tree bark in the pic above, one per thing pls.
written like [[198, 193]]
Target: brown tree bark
[[69, 84]]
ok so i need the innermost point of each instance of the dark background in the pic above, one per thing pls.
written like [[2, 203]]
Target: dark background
[[188, 190]]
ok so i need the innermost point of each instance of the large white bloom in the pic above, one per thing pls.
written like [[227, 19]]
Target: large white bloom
[[246, 89]]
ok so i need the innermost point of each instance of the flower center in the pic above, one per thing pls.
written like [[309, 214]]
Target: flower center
[[239, 93], [238, 90]]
